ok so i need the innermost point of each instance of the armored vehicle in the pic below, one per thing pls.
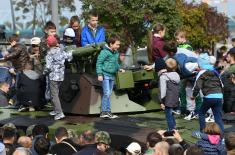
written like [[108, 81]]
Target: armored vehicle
[[81, 92]]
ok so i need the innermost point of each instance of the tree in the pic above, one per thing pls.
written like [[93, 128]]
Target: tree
[[132, 19], [40, 11], [203, 24]]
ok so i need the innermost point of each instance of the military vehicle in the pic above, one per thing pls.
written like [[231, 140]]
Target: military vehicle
[[81, 92]]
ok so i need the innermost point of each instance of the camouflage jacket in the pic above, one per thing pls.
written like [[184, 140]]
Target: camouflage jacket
[[55, 59]]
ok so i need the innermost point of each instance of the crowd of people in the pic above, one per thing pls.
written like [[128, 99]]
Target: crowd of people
[[192, 82], [36, 141]]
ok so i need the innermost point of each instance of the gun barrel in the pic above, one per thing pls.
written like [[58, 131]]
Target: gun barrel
[[87, 50]]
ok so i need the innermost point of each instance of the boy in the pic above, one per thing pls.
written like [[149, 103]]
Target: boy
[[106, 68], [208, 81], [169, 88], [182, 40], [92, 33], [55, 59]]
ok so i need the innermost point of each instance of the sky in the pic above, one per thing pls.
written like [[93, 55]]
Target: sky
[[228, 8]]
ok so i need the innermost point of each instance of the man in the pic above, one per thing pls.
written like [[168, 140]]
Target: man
[[63, 145], [92, 33], [103, 140], [229, 97], [9, 136]]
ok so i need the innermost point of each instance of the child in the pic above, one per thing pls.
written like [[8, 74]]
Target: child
[[208, 81], [92, 33], [211, 142], [169, 88], [55, 59], [106, 67]]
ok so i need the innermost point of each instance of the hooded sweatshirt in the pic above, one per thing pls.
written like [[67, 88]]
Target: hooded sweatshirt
[[211, 145]]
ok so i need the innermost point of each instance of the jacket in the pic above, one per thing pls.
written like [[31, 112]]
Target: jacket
[[158, 51], [107, 62], [208, 82], [164, 93], [211, 145], [29, 89], [88, 149], [88, 38], [67, 146], [183, 58], [18, 56], [55, 59]]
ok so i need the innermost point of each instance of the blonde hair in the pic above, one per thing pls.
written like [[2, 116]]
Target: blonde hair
[[212, 129], [171, 64]]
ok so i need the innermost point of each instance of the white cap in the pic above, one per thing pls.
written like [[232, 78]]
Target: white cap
[[35, 41], [134, 148], [69, 32]]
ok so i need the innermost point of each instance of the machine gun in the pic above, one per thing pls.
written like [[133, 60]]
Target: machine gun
[[81, 92]]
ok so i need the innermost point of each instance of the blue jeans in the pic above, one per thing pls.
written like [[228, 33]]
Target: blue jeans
[[107, 85], [170, 118], [5, 76], [216, 106]]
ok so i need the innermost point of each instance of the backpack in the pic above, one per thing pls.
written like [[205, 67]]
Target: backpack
[[172, 93]]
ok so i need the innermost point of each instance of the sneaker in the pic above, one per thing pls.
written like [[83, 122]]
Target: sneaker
[[195, 116], [190, 116], [112, 116], [52, 113], [104, 115], [31, 109], [59, 116], [210, 118], [177, 112], [22, 108]]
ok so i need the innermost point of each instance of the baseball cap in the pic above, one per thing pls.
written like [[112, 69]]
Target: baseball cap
[[35, 41], [134, 148], [69, 32], [52, 41]]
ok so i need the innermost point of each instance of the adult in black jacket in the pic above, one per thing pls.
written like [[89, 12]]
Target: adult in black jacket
[[64, 144]]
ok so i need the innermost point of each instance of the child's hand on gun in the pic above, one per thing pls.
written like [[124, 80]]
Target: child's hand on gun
[[100, 78]]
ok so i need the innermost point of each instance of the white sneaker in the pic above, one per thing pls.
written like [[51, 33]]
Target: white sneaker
[[31, 109], [177, 112], [59, 116], [190, 116], [111, 116], [52, 113], [210, 118]]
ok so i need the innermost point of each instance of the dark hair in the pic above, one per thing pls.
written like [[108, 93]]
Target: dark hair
[[230, 140], [233, 39], [9, 133], [153, 138], [223, 48], [112, 39], [1, 133], [93, 13], [42, 145], [176, 149], [74, 19], [13, 37], [194, 150], [170, 47], [61, 132], [40, 129], [156, 28], [49, 25]]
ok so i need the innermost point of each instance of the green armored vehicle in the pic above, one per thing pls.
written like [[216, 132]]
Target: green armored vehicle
[[81, 92]]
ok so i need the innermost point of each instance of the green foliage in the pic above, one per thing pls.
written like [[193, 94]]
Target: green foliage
[[132, 19]]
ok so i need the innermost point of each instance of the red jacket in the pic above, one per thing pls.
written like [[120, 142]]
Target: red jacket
[[158, 51]]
